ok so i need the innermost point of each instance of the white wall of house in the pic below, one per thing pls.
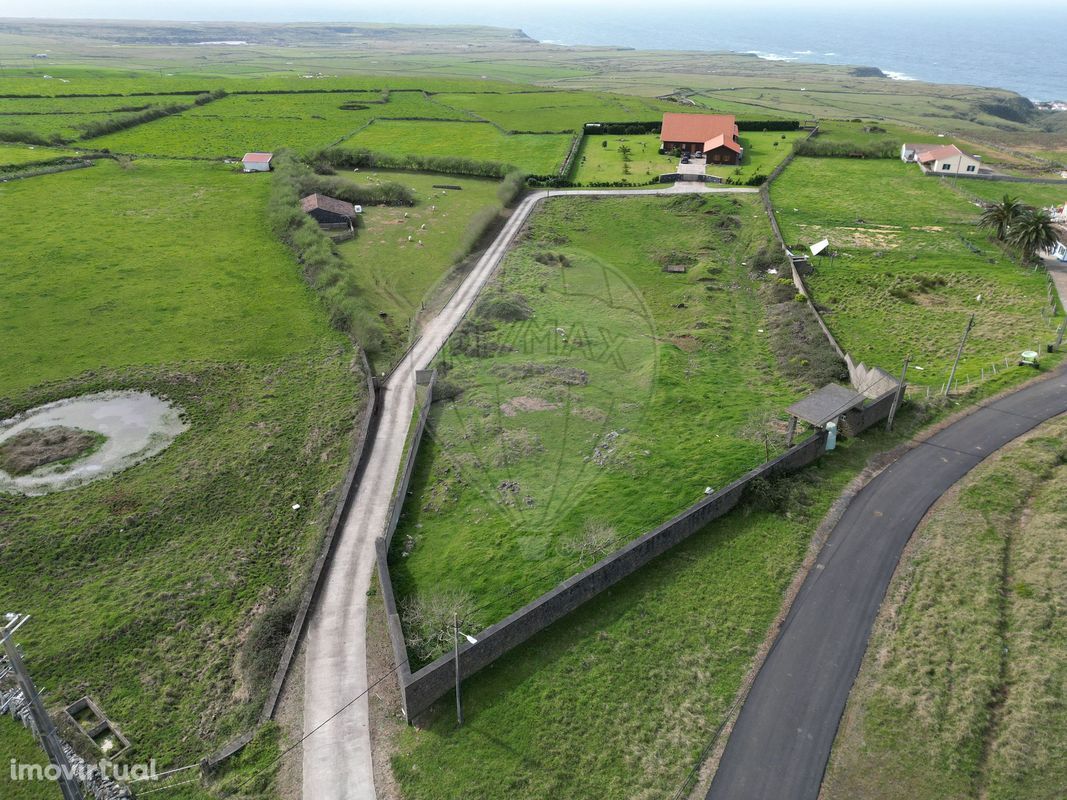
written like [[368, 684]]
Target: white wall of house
[[1060, 251], [256, 166], [956, 165], [906, 154]]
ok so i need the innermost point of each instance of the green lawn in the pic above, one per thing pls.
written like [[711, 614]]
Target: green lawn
[[537, 154], [164, 261], [910, 268], [15, 154], [165, 591], [961, 693], [617, 398], [395, 275], [595, 163]]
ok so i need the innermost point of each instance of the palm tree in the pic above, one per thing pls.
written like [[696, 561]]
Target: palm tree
[[1001, 216], [1032, 232]]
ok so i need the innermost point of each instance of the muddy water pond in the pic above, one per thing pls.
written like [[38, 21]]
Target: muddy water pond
[[136, 426]]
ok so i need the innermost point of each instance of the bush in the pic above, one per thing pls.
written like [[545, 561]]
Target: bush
[[268, 635], [343, 158], [28, 137], [510, 187], [829, 149], [504, 307]]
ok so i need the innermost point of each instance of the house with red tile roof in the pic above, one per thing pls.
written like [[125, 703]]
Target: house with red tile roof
[[941, 159], [714, 135]]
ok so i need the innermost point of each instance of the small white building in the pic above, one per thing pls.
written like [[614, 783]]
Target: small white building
[[941, 159], [1059, 252], [257, 162]]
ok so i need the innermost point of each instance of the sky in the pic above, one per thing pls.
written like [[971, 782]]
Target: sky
[[457, 11]]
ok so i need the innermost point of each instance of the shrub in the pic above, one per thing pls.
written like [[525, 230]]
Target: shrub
[[344, 158], [268, 635], [504, 307], [429, 618]]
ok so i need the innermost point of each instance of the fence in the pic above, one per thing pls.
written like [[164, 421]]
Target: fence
[[419, 690]]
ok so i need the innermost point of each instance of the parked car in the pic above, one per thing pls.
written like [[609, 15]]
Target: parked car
[[685, 159], [698, 155]]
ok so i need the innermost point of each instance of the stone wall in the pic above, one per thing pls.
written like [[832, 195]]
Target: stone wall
[[421, 689]]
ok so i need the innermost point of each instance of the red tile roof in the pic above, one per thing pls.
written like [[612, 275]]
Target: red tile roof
[[257, 158], [342, 207], [697, 127], [721, 141], [933, 152]]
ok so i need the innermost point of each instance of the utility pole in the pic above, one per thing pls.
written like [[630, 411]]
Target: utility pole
[[459, 702], [959, 352], [46, 729], [899, 395], [1061, 332]]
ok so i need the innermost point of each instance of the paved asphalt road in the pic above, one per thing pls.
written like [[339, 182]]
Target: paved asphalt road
[[780, 745], [337, 758]]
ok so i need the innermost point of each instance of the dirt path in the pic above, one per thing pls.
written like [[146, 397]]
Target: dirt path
[[337, 758]]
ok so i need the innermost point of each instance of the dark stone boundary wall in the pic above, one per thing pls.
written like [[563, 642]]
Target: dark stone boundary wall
[[311, 591], [427, 378], [419, 691], [996, 178]]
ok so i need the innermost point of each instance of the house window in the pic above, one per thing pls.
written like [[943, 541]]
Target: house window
[[970, 167], [946, 167]]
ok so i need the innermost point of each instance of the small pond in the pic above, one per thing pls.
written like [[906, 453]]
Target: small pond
[[135, 426]]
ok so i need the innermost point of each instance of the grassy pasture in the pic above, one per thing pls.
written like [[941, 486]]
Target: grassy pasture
[[907, 276], [17, 743], [16, 154], [624, 382], [127, 268], [395, 275], [536, 153], [960, 694], [545, 112], [238, 123], [1035, 194], [764, 150], [67, 117], [162, 591]]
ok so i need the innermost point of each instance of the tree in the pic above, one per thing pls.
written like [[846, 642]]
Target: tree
[[1032, 233], [1001, 216], [764, 427]]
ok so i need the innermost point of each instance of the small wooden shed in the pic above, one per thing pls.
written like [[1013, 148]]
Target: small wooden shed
[[328, 211]]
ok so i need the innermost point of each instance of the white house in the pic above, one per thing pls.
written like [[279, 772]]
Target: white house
[[257, 162], [941, 159]]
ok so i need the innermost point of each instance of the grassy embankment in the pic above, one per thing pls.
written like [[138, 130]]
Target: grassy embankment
[[961, 692], [162, 592], [910, 268], [764, 150], [590, 377]]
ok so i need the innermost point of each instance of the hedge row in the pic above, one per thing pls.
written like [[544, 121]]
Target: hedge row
[[636, 128], [448, 165], [322, 265], [114, 124], [829, 149]]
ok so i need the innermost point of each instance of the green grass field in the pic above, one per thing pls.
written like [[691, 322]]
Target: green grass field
[[960, 694], [538, 154], [239, 123], [162, 591], [17, 743], [1035, 194], [596, 163], [67, 117], [126, 268], [544, 112], [907, 277], [17, 154], [621, 380], [395, 275]]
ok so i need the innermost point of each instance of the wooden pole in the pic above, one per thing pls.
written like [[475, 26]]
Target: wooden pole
[[959, 352]]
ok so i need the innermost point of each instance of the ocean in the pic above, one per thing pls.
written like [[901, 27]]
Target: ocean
[[1010, 47]]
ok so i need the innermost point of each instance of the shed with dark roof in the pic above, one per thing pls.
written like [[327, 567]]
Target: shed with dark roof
[[328, 210]]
